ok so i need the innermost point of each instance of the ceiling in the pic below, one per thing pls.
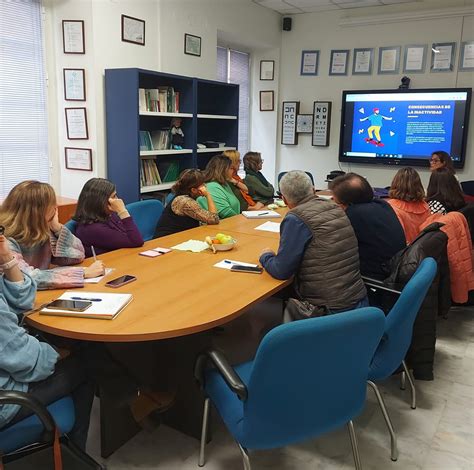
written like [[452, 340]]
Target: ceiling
[[290, 7]]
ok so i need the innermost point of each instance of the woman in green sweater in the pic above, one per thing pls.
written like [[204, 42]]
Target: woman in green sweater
[[259, 188], [217, 176]]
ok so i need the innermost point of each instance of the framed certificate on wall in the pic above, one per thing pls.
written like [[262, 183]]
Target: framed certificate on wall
[[76, 124]]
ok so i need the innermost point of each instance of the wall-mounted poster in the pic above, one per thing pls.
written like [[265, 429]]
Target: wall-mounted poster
[[321, 123], [288, 122]]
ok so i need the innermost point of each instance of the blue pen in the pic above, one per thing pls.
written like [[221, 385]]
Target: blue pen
[[85, 298]]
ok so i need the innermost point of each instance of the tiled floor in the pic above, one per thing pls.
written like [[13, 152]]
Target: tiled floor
[[438, 435]]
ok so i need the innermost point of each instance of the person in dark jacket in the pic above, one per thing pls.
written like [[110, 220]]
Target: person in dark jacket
[[318, 247], [379, 233]]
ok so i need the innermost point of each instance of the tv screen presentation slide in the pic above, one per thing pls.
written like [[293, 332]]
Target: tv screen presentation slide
[[402, 125]]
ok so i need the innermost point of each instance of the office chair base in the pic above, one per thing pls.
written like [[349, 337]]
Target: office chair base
[[388, 422], [245, 457], [354, 445], [412, 385], [205, 424]]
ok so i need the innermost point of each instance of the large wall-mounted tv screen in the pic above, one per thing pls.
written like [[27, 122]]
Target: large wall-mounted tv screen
[[404, 127]]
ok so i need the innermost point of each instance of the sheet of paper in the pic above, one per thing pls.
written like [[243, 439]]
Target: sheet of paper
[[327, 197], [195, 246], [228, 263], [260, 214], [269, 227], [95, 280]]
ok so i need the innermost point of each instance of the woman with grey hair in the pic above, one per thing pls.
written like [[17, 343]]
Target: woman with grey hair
[[259, 188]]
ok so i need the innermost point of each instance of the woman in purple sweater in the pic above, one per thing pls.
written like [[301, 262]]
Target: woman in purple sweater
[[103, 220]]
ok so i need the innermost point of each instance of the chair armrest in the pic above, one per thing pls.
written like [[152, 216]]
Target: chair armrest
[[10, 397], [378, 285], [230, 376]]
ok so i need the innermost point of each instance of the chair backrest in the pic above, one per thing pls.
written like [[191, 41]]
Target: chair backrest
[[146, 215], [71, 225], [468, 187], [399, 325], [169, 198], [283, 173], [323, 362]]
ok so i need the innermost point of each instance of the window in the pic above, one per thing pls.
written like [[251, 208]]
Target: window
[[23, 118], [234, 67]]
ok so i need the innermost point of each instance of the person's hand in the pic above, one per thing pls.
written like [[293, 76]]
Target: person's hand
[[267, 250], [234, 181], [5, 253], [96, 269], [54, 224], [203, 190], [116, 205]]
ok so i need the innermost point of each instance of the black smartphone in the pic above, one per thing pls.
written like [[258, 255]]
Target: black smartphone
[[72, 305], [121, 281], [238, 268]]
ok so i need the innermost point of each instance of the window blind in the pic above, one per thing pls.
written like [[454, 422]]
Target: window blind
[[23, 116]]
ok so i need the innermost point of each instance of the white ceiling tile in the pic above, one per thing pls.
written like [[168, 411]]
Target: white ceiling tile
[[320, 8], [391, 2], [308, 3], [360, 4], [274, 4], [354, 2], [291, 11]]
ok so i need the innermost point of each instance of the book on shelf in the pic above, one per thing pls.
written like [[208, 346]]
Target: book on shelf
[[149, 174], [104, 305], [145, 141], [161, 139], [170, 171], [163, 99]]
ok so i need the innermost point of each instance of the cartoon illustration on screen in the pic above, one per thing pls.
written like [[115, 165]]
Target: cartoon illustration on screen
[[376, 123]]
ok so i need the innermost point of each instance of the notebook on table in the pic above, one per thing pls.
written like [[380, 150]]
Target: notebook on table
[[104, 305], [260, 214]]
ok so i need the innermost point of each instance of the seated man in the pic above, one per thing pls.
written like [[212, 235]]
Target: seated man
[[376, 226], [318, 247]]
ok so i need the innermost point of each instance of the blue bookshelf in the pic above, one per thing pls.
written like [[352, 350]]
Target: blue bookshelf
[[208, 111]]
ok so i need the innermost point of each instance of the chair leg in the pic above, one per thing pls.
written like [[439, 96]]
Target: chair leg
[[403, 380], [388, 422], [205, 423], [355, 447], [245, 457], [412, 385]]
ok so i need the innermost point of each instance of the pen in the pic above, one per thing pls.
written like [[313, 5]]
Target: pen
[[263, 213], [93, 254], [85, 298]]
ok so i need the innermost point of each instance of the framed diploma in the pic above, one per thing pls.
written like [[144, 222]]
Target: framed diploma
[[192, 45], [288, 122], [76, 124], [78, 159], [389, 59], [442, 56], [321, 123], [363, 61], [466, 56], [74, 84], [415, 58], [339, 62], [267, 69], [266, 101], [133, 30], [304, 123], [73, 37], [309, 62]]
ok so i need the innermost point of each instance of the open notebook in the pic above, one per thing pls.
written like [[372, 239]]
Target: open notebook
[[104, 306]]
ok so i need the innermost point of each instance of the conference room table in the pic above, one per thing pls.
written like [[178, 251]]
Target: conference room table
[[178, 297]]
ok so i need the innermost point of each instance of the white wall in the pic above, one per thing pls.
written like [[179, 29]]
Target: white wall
[[254, 28], [322, 31]]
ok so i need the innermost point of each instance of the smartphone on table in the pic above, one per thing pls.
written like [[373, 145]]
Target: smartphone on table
[[238, 268], [121, 281], [71, 305]]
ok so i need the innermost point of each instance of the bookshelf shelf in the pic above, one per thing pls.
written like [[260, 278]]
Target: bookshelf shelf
[[157, 187], [215, 116], [171, 115], [215, 149], [151, 153]]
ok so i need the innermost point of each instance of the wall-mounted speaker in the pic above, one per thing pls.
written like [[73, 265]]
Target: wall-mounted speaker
[[286, 24]]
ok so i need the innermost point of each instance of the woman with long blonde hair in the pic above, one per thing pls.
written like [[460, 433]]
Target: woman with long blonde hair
[[37, 239]]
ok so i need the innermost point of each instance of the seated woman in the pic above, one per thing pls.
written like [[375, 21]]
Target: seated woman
[[217, 176], [444, 193], [30, 217], [238, 186], [103, 220], [441, 159], [259, 188], [183, 212], [28, 365], [407, 200]]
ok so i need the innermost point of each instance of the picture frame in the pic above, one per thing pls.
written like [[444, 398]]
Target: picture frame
[[133, 30], [466, 56], [289, 115], [321, 123], [363, 61], [267, 69], [267, 100], [339, 62], [76, 124], [73, 37], [304, 124], [389, 60], [192, 45], [309, 62], [442, 57], [414, 60], [78, 158], [74, 84]]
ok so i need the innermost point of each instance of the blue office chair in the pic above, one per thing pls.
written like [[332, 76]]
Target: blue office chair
[[307, 378], [280, 176], [169, 197], [146, 215], [397, 336], [468, 187], [71, 225], [33, 434]]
